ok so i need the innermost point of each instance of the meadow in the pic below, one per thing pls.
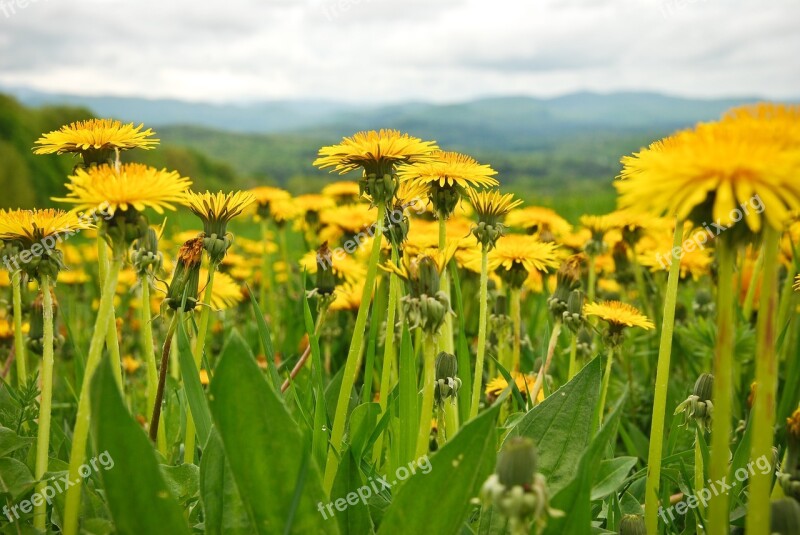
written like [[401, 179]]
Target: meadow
[[410, 349]]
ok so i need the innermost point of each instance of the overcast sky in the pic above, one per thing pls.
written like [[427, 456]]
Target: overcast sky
[[396, 50]]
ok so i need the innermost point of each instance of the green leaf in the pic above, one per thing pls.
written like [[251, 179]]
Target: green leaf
[[611, 475], [183, 480], [225, 512], [10, 441], [354, 519], [266, 340], [15, 478], [138, 497], [561, 424], [195, 396], [462, 354], [438, 501], [264, 447], [574, 499], [363, 421], [407, 398]]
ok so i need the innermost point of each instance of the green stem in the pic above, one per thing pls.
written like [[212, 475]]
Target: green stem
[[477, 383], [19, 336], [82, 419], [516, 318], [662, 381], [699, 477], [388, 350], [446, 334], [428, 379], [267, 297], [353, 357], [200, 342], [45, 405], [573, 357], [551, 349], [156, 431], [763, 414], [112, 342], [591, 283], [604, 389], [450, 412], [148, 347], [749, 298], [718, 513]]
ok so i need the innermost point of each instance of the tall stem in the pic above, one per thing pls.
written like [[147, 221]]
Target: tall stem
[[202, 331], [267, 290], [446, 335], [573, 357], [388, 349], [604, 388], [591, 283], [353, 356], [477, 381], [81, 430], [699, 477], [551, 349], [718, 514], [749, 298], [148, 347], [662, 381], [428, 379], [112, 342], [758, 511], [516, 318], [155, 420], [19, 336], [45, 405]]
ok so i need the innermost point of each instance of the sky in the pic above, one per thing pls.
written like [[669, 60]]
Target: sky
[[382, 51]]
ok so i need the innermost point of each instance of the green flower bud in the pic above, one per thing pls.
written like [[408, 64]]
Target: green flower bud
[[573, 316], [447, 381], [216, 245], [326, 280], [444, 200], [632, 525], [704, 387], [146, 257], [428, 276], [186, 278], [785, 517], [517, 463]]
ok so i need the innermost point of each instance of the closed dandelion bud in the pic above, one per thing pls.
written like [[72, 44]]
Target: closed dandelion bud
[[698, 405], [444, 201], [447, 381], [584, 344], [186, 278], [568, 278], [785, 517], [573, 316], [124, 228], [517, 462], [326, 280], [217, 245], [703, 304], [428, 276], [514, 277], [632, 525], [145, 253]]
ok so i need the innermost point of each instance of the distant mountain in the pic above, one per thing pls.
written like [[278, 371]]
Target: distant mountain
[[504, 121]]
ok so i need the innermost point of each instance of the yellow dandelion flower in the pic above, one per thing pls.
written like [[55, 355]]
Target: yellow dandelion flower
[[722, 172], [347, 297], [226, 292], [449, 169], [492, 205], [375, 151], [344, 266], [130, 364], [105, 189], [525, 384], [32, 227], [264, 195], [618, 314], [73, 277], [539, 220], [793, 424], [98, 135], [343, 191], [6, 329], [217, 209], [516, 255]]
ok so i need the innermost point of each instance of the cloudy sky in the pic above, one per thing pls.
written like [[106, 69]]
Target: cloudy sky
[[396, 50]]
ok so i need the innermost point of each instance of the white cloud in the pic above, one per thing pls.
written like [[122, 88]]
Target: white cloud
[[394, 50]]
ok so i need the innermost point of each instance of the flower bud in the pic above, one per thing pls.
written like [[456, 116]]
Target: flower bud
[[146, 257], [785, 517], [447, 381], [632, 525], [326, 280], [186, 278], [517, 463]]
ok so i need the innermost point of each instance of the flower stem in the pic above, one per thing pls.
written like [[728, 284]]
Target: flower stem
[[353, 356], [428, 379], [148, 347], [482, 324], [45, 405], [718, 513], [604, 389], [551, 349], [200, 342], [19, 336], [516, 318], [749, 298], [388, 349], [758, 511], [112, 342], [267, 295], [81, 430], [155, 420], [446, 335], [591, 283], [699, 477], [573, 357], [662, 382]]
